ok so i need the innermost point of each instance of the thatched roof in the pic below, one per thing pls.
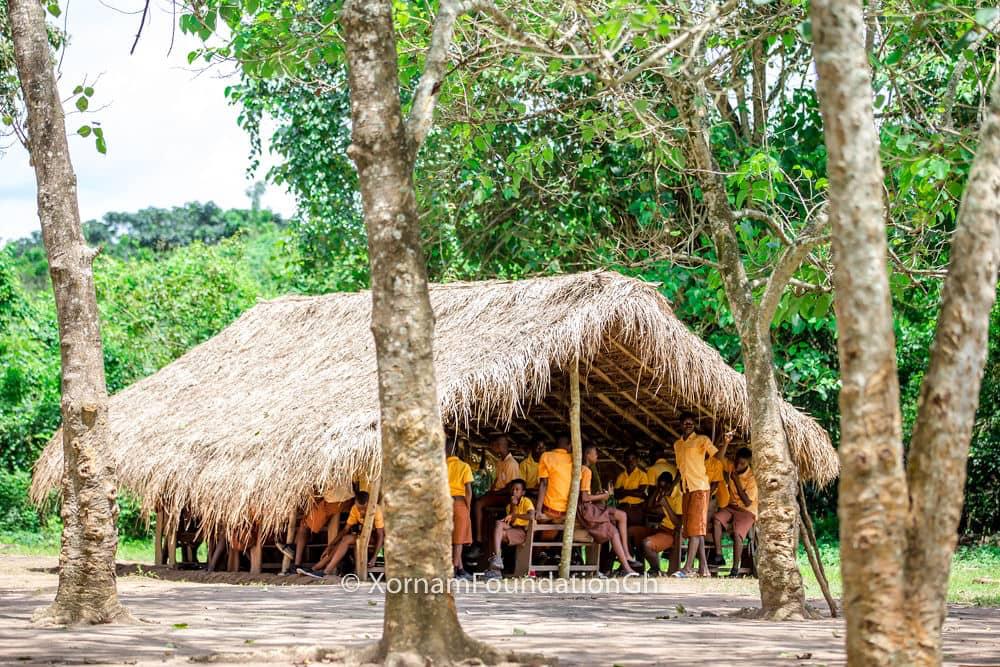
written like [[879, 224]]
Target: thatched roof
[[244, 427]]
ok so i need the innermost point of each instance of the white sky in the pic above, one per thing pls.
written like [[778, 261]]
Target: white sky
[[172, 137]]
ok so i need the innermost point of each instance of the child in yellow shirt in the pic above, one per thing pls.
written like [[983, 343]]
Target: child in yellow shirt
[[511, 529]]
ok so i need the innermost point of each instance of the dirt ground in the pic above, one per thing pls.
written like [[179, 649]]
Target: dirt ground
[[674, 622]]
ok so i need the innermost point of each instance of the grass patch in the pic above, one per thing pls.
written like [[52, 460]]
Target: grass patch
[[46, 543], [974, 579]]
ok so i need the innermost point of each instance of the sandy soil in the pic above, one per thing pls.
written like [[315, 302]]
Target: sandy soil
[[674, 622]]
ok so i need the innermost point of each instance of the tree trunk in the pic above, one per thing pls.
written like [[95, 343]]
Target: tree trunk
[[873, 499], [949, 396], [87, 590], [576, 444], [782, 594], [421, 622]]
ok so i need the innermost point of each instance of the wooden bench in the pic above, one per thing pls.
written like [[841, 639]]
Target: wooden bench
[[524, 562]]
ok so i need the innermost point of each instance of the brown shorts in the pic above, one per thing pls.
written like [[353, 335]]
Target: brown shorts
[[319, 516], [661, 540], [741, 519], [695, 509], [515, 536], [461, 531]]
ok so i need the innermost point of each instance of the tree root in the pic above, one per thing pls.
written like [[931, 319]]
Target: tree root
[[57, 614], [787, 613]]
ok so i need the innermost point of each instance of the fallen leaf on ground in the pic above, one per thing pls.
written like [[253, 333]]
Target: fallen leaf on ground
[[519, 632]]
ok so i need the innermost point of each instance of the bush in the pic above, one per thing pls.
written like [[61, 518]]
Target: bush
[[16, 511]]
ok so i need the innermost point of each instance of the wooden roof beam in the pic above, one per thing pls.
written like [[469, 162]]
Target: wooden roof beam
[[629, 418]]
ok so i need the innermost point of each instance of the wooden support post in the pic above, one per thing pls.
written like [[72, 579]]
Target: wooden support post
[[257, 553], [158, 540], [361, 546], [630, 419], [232, 558], [286, 562], [576, 440], [172, 542]]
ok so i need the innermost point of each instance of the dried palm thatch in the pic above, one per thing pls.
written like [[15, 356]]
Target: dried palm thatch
[[245, 427]]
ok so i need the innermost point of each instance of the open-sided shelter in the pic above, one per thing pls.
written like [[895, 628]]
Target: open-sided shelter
[[244, 428]]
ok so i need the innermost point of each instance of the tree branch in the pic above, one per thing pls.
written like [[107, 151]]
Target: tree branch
[[788, 263], [421, 117]]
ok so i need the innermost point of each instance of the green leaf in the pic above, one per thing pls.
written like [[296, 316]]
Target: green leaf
[[82, 103], [102, 146], [88, 91], [84, 131], [8, 120], [53, 8], [180, 626], [78, 90], [894, 57], [251, 6]]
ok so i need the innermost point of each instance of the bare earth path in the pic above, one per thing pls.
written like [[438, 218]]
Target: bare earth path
[[585, 627]]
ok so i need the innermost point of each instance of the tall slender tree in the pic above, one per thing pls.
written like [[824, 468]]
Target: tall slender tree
[[87, 590], [421, 622], [891, 515]]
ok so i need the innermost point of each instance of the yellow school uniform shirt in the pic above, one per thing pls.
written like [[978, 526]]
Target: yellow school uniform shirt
[[749, 485], [459, 474], [630, 481], [507, 472], [676, 502], [557, 467], [690, 453], [355, 517], [529, 472], [661, 466], [523, 507], [714, 469]]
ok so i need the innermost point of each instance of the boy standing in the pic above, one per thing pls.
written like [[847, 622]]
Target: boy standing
[[690, 452], [460, 487]]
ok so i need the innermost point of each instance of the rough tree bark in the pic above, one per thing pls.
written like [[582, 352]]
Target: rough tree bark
[[87, 591], [949, 396], [781, 589], [872, 498], [421, 623], [894, 613]]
